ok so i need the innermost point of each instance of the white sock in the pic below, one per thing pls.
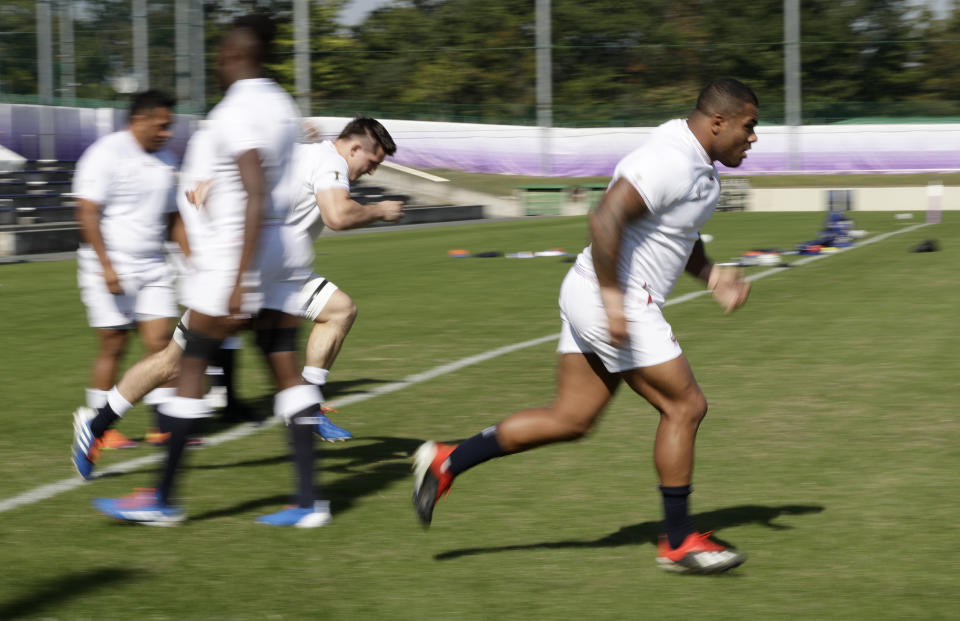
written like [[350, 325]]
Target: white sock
[[96, 398], [159, 395], [315, 375], [118, 403], [184, 407]]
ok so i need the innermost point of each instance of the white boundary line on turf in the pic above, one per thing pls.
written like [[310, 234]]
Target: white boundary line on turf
[[413, 171], [48, 491]]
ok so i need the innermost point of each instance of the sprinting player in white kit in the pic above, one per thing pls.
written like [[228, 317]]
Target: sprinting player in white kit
[[247, 263], [644, 234], [319, 178], [125, 183]]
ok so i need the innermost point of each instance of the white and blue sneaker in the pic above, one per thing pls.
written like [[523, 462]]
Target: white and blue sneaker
[[84, 452], [301, 517], [330, 432], [142, 506]]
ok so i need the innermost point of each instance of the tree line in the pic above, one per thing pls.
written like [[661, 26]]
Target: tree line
[[613, 62]]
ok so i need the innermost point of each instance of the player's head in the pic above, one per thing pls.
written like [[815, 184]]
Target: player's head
[[364, 143], [245, 47], [729, 110], [151, 119]]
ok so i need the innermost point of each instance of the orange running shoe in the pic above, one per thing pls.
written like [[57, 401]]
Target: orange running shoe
[[697, 555], [431, 479], [113, 439], [155, 437]]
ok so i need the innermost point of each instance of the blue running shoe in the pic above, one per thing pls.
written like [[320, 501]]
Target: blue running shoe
[[85, 451], [142, 507], [301, 517], [330, 432]]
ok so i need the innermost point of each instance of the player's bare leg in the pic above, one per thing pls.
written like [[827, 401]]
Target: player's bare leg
[[672, 389], [92, 424], [159, 369], [584, 387], [155, 335], [330, 328], [112, 343], [111, 348]]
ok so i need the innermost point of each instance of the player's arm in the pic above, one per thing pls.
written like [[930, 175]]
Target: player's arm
[[620, 204], [340, 212], [88, 217], [729, 288], [254, 184]]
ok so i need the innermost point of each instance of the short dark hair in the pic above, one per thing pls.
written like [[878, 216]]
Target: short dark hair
[[263, 29], [371, 128], [152, 99], [725, 96]]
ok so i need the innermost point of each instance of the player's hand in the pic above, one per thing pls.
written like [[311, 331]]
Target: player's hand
[[235, 303], [391, 211], [617, 326], [198, 195], [729, 288], [112, 280], [616, 318]]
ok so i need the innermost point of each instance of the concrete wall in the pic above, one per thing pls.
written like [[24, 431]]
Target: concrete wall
[[863, 199]]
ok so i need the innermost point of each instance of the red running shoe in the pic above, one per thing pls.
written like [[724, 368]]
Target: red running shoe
[[697, 555], [431, 479]]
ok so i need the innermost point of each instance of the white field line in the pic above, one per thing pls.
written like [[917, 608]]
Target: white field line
[[413, 171], [48, 491]]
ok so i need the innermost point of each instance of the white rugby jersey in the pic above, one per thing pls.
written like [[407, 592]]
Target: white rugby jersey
[[316, 167], [680, 186], [253, 114], [135, 191]]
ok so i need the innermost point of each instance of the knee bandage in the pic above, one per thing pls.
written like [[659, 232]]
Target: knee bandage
[[277, 340], [200, 346]]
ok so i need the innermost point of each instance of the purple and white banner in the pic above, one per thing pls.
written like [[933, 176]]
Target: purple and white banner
[[586, 152], [516, 149]]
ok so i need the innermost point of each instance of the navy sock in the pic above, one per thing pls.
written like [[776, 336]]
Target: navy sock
[[103, 420], [179, 429], [676, 517], [475, 450], [160, 418], [302, 439]]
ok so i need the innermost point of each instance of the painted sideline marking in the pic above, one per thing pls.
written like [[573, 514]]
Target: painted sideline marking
[[48, 491], [413, 171]]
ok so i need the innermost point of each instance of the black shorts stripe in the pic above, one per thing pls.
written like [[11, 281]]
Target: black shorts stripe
[[316, 292]]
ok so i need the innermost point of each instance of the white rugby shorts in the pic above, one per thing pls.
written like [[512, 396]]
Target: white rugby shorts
[[282, 267], [148, 293], [584, 327]]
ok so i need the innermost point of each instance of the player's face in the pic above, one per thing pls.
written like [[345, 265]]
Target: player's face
[[364, 162], [152, 128], [736, 136]]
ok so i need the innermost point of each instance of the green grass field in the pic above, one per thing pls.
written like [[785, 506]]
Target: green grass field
[[829, 456]]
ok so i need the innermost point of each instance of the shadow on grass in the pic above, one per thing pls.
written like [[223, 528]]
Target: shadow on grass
[[56, 591], [648, 532], [364, 466]]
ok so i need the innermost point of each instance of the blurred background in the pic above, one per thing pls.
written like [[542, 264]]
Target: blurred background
[[608, 62]]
